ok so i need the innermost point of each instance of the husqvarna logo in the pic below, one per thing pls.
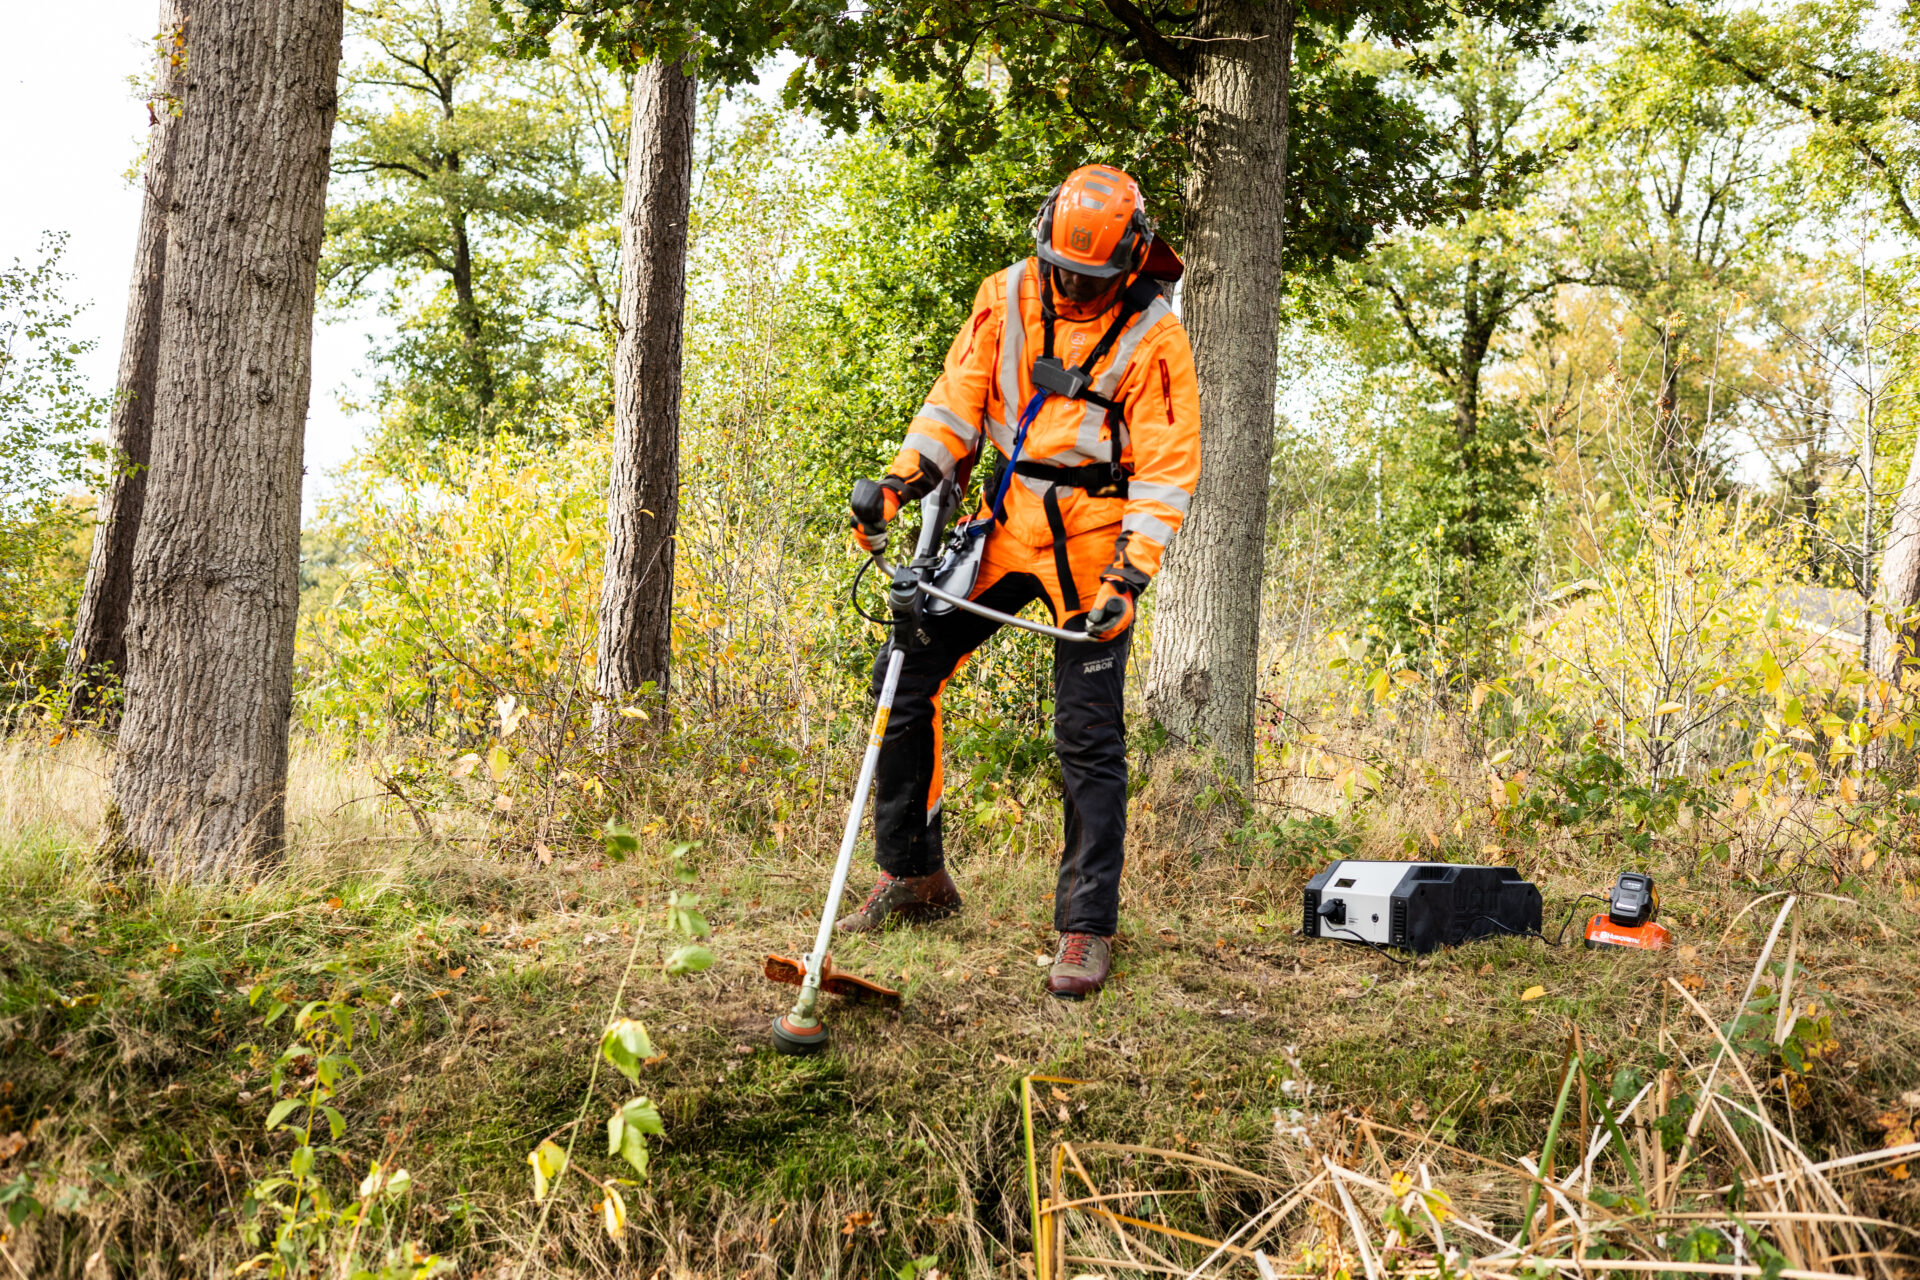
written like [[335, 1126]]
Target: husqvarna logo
[[1079, 239]]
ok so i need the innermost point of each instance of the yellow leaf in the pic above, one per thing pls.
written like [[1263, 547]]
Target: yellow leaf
[[1480, 692], [1406, 679], [1868, 858], [465, 765], [614, 1211], [1848, 791], [1742, 798], [498, 761], [1532, 993], [1668, 708]]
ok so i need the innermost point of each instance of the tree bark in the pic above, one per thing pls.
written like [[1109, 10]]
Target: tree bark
[[643, 497], [98, 654], [1204, 675], [199, 781], [1895, 651]]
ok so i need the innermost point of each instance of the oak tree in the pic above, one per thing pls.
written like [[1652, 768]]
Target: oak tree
[[199, 779]]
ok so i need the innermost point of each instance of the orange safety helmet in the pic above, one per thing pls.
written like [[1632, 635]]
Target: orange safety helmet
[[1094, 223]]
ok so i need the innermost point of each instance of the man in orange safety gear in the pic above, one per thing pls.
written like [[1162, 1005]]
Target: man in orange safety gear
[[1076, 368]]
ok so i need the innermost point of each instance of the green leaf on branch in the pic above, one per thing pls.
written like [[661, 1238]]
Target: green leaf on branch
[[683, 919], [626, 1045], [692, 958], [281, 1110], [618, 840], [627, 1130]]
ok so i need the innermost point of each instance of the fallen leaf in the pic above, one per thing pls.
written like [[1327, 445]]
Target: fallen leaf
[[1418, 1112], [545, 854], [1486, 968], [1061, 1111], [854, 1222], [1059, 1094], [1004, 1060], [1692, 981], [334, 904], [461, 972], [1532, 993], [1688, 955]]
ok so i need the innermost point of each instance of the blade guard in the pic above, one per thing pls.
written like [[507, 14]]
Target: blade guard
[[847, 985], [1651, 936]]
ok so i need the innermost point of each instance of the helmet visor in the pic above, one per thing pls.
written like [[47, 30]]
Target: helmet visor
[[1080, 288]]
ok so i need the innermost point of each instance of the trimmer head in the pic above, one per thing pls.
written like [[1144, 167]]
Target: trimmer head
[[798, 1039], [847, 985]]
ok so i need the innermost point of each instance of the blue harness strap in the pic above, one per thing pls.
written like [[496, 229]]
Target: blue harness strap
[[1027, 415]]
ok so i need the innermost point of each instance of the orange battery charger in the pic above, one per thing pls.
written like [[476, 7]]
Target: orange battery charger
[[1632, 916]]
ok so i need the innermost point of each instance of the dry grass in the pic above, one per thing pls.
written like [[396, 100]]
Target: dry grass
[[1345, 1192], [503, 968]]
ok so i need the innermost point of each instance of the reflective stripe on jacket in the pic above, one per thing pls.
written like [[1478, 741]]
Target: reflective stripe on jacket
[[987, 382]]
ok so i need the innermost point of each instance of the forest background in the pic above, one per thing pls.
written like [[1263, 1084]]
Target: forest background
[[1584, 546]]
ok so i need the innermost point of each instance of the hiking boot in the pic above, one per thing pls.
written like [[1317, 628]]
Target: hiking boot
[[1080, 966], [904, 900]]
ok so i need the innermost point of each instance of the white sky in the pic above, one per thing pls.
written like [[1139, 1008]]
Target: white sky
[[74, 125]]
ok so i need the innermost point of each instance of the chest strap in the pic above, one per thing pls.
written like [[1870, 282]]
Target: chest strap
[[1097, 479]]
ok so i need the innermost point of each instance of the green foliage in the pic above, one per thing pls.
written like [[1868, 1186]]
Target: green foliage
[[292, 1211], [1596, 794], [1844, 69], [1291, 841], [1451, 545], [47, 462], [479, 196]]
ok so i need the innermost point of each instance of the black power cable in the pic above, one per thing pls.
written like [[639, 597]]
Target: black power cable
[[1571, 912], [1507, 929], [853, 594], [1369, 942]]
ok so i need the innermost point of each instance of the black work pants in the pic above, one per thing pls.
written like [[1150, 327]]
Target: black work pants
[[1089, 736]]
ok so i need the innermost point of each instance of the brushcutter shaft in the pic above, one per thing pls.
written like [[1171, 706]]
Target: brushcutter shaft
[[816, 960]]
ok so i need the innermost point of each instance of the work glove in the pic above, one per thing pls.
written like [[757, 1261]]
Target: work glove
[[1112, 610], [874, 504]]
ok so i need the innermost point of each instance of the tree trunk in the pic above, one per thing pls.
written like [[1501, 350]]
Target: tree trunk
[[98, 654], [643, 497], [199, 782], [1204, 676], [1893, 650]]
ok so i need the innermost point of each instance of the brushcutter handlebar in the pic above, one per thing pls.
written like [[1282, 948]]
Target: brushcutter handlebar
[[910, 580]]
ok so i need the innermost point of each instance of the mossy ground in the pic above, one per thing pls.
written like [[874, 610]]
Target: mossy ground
[[124, 1034]]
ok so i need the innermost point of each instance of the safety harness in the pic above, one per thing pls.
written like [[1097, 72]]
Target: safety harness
[[1053, 377]]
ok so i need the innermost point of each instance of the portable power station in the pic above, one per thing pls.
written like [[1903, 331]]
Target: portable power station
[[1418, 906]]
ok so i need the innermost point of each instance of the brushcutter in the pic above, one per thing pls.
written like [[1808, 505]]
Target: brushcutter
[[934, 582]]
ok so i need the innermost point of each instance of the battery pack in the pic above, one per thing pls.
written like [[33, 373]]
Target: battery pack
[[1417, 906]]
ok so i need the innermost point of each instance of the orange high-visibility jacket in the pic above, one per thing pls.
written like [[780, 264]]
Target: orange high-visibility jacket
[[987, 383]]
